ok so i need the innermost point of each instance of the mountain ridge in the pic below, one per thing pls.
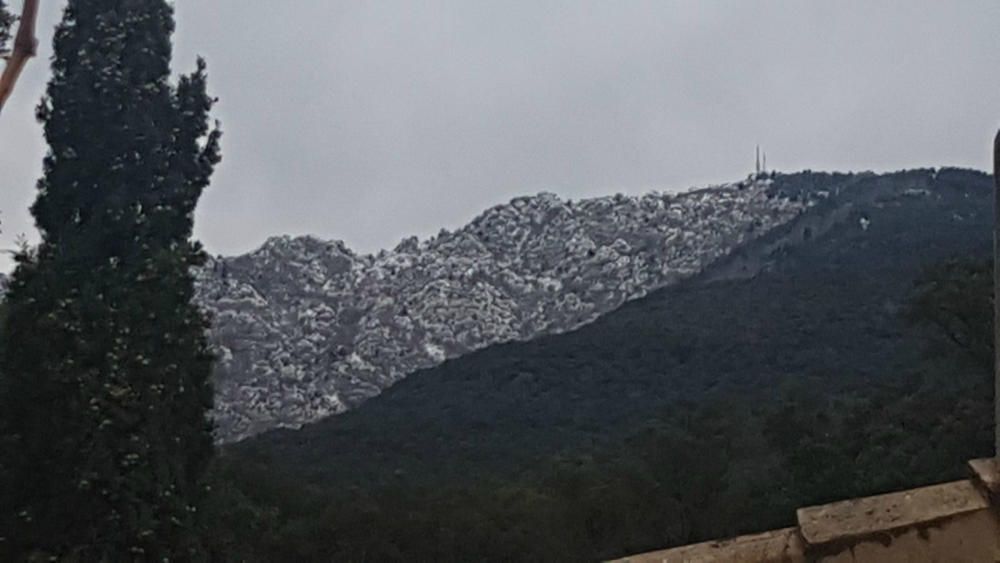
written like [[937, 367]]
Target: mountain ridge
[[823, 305], [308, 328]]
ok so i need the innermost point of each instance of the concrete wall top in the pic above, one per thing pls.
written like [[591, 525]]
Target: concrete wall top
[[778, 546], [857, 519], [950, 522]]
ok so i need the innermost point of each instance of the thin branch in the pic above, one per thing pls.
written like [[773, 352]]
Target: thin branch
[[25, 47]]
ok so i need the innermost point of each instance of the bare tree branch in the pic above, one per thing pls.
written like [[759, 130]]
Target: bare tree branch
[[25, 47]]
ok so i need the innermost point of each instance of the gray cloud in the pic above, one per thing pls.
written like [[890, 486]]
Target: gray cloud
[[368, 121]]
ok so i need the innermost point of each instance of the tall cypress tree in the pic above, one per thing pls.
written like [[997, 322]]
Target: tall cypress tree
[[104, 365]]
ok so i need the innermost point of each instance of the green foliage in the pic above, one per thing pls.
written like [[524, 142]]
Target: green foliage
[[715, 470], [955, 299], [105, 367]]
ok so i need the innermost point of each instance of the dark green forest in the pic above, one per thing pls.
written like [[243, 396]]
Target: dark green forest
[[853, 360]]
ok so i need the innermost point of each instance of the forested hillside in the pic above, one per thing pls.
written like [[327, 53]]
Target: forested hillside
[[790, 373], [304, 328], [307, 328]]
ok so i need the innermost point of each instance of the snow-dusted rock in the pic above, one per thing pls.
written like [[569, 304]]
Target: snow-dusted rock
[[307, 328]]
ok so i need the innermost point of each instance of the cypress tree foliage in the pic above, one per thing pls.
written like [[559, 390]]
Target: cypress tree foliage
[[104, 365]]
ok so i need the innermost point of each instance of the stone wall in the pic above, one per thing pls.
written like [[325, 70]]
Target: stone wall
[[952, 522]]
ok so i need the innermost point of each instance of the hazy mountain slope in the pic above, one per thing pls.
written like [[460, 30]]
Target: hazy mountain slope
[[307, 328], [820, 296]]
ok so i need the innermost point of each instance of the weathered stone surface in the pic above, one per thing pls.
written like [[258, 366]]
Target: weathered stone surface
[[947, 523], [779, 546], [879, 516], [986, 474], [970, 537]]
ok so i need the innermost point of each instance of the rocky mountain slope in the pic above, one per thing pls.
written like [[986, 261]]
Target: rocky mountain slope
[[820, 299], [307, 328]]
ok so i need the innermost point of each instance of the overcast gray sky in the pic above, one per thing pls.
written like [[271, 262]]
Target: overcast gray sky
[[368, 121]]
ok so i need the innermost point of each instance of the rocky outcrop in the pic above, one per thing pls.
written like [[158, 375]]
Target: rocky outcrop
[[307, 328]]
